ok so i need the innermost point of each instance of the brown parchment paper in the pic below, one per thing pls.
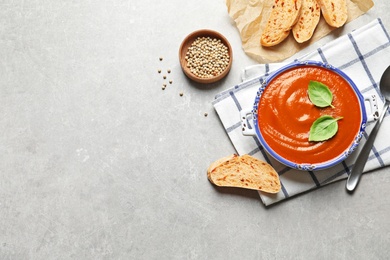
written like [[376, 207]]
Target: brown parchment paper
[[250, 17]]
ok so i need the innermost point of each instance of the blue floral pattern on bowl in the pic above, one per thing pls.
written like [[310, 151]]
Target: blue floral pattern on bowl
[[309, 167]]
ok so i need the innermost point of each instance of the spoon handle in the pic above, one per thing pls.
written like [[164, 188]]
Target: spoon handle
[[357, 170]]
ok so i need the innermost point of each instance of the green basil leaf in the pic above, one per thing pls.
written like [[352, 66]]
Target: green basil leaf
[[319, 94], [324, 128]]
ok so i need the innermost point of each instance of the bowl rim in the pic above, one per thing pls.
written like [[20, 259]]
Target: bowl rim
[[189, 39], [305, 166]]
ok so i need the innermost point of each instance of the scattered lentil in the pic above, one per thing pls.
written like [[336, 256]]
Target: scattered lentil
[[207, 57], [164, 77], [170, 82], [169, 71], [159, 71], [181, 94], [161, 58], [205, 114]]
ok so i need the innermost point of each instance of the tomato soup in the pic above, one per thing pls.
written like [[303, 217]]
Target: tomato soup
[[285, 115]]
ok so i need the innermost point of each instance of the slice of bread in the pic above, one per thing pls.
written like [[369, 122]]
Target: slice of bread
[[307, 21], [244, 172], [334, 11], [284, 15]]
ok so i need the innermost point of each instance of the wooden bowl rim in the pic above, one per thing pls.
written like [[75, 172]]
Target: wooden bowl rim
[[186, 43]]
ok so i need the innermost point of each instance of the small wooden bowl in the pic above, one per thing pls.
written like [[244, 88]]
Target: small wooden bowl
[[187, 43]]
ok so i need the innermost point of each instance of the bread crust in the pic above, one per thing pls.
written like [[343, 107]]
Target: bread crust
[[244, 172], [217, 163], [307, 21], [334, 11], [283, 16]]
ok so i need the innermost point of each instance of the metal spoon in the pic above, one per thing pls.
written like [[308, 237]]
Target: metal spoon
[[357, 170]]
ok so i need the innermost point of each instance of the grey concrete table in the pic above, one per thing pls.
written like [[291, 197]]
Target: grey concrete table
[[98, 162]]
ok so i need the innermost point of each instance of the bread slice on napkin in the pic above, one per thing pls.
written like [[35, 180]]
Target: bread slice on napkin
[[244, 172], [284, 15], [334, 11], [307, 21]]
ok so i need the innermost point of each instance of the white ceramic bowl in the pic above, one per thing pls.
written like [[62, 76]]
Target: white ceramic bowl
[[256, 131]]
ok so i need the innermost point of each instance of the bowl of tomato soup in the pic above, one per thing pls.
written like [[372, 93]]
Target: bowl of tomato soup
[[283, 115]]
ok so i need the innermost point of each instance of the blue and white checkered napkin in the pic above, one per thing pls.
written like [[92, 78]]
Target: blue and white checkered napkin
[[363, 55]]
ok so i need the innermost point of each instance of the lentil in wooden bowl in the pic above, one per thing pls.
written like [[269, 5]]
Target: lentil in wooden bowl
[[205, 56]]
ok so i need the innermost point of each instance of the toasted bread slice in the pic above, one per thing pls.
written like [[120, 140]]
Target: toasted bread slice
[[334, 11], [307, 21], [244, 172], [284, 15]]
